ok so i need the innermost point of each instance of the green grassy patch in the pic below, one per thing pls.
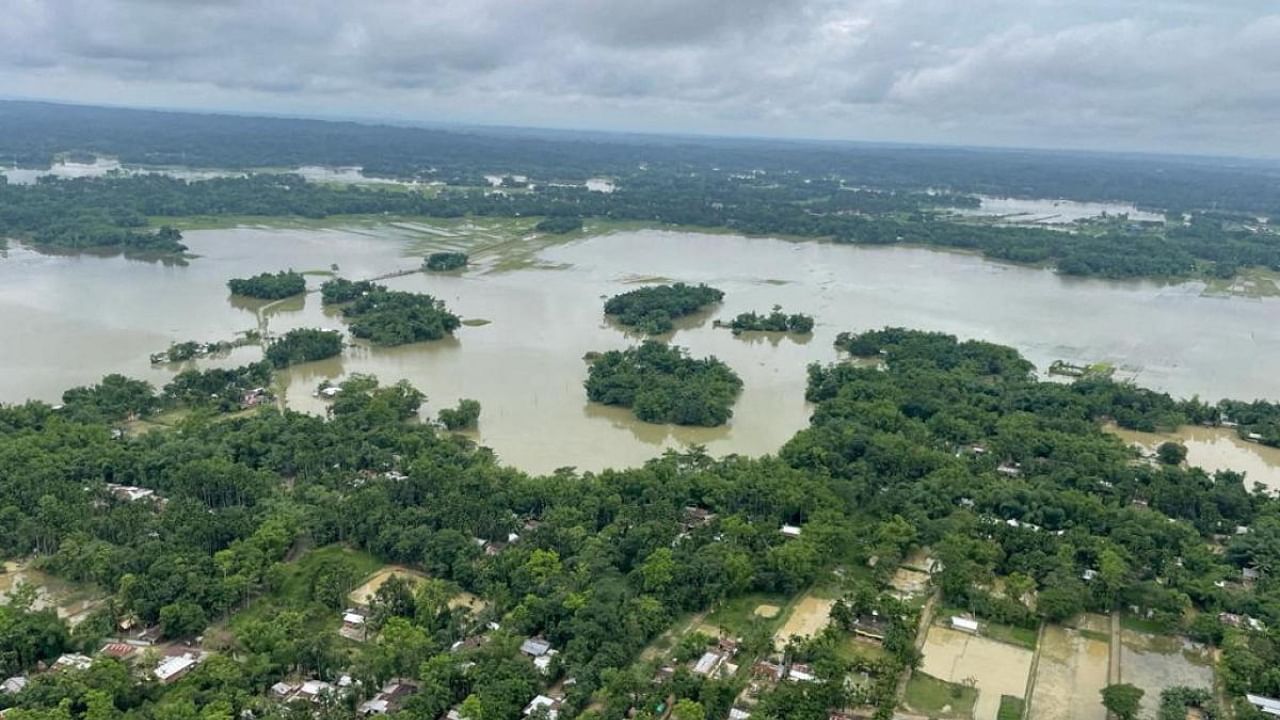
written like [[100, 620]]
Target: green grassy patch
[[739, 614], [1142, 625], [293, 586], [938, 698], [1011, 708], [852, 650], [1095, 635], [1022, 637]]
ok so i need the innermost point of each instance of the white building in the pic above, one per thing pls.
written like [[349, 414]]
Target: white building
[[964, 624], [1270, 706], [171, 669], [542, 701]]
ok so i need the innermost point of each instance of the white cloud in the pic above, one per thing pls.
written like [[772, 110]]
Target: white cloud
[[1125, 74]]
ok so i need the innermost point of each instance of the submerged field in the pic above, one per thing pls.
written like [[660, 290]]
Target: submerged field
[[1070, 674]]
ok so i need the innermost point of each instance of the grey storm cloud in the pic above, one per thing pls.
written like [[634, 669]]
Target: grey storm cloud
[[1156, 75]]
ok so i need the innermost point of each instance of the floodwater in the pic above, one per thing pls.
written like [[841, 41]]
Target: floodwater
[[1039, 211], [104, 166], [1157, 663], [1070, 675], [68, 320], [1214, 449], [995, 668], [71, 601]]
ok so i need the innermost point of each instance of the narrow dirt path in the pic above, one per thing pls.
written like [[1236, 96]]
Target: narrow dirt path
[[1031, 675], [922, 632]]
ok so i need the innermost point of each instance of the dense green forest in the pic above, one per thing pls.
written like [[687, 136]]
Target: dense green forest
[[269, 286], [263, 517], [303, 345], [37, 133], [775, 321], [652, 309], [662, 384]]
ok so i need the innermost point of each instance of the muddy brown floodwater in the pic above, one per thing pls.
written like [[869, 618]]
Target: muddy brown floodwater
[[69, 320], [1215, 448]]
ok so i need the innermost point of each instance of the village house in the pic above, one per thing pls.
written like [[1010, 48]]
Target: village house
[[175, 667], [283, 690], [133, 493], [1009, 469], [313, 691], [535, 647], [13, 685], [695, 517], [708, 664], [871, 627], [542, 701], [790, 531], [964, 624], [1270, 706], [354, 626], [388, 700], [769, 672], [71, 661], [119, 651], [543, 662], [738, 714], [254, 398], [799, 672]]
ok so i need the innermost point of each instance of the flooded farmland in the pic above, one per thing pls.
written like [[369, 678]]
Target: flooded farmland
[[535, 303], [72, 602], [1214, 449], [1070, 674], [1156, 663]]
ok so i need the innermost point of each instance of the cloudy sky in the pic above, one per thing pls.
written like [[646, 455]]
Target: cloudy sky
[[1153, 75]]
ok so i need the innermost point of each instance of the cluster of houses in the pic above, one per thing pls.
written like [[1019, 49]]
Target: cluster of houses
[[541, 652], [389, 699], [173, 663], [133, 493], [255, 397]]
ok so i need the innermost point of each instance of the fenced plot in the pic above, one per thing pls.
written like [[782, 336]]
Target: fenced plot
[[1158, 662], [808, 618], [993, 668]]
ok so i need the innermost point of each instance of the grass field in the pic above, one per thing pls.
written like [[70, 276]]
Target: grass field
[[294, 591], [937, 698], [736, 616], [1011, 708]]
